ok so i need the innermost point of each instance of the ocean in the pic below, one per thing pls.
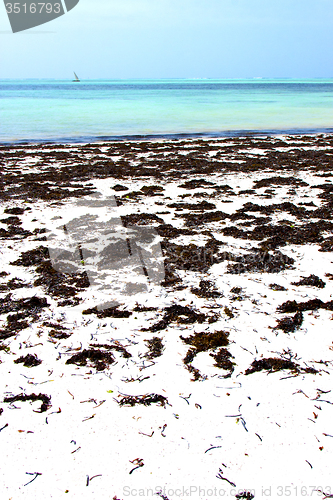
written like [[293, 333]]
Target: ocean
[[64, 111]]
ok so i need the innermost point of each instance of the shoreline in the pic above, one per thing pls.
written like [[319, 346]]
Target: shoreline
[[217, 375], [171, 136]]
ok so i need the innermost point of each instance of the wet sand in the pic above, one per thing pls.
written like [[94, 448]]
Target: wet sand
[[210, 379]]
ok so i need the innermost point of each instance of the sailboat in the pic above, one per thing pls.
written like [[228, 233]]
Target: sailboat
[[77, 79]]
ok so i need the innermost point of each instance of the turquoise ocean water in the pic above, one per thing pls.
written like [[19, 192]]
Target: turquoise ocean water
[[63, 111]]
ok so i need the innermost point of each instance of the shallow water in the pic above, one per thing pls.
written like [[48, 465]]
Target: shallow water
[[43, 110]]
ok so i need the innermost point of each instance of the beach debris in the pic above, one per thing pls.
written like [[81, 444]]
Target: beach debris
[[89, 479], [279, 181], [29, 360], [203, 341], [311, 280], [24, 307], [113, 347], [100, 360], [163, 429], [46, 400], [212, 448], [292, 306], [4, 427], [160, 494], [276, 364], [58, 331], [197, 183], [146, 400], [110, 312], [222, 360], [155, 346], [246, 495], [277, 288], [220, 476], [138, 463], [170, 232], [142, 219], [36, 474], [206, 290], [261, 261], [290, 324], [181, 314]]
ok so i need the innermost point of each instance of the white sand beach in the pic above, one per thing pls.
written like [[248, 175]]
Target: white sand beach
[[197, 367]]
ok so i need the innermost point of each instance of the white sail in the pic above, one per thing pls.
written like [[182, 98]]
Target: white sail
[[76, 77]]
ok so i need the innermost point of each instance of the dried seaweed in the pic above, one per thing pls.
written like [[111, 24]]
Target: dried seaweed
[[110, 312], [222, 360], [290, 324], [277, 288], [311, 280], [261, 261], [203, 341], [246, 495], [181, 314], [206, 290], [145, 400], [113, 347], [155, 346], [276, 364], [292, 306], [29, 360], [99, 359]]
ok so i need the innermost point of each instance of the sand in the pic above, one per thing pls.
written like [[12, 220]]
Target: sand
[[166, 312]]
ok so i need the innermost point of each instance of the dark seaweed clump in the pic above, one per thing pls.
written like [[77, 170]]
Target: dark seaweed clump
[[191, 257], [113, 347], [206, 217], [261, 261], [32, 257], [276, 364], [204, 341], [290, 324], [170, 232], [119, 187], [110, 312], [58, 331], [201, 342], [206, 290], [203, 205], [13, 284], [277, 288], [140, 219], [181, 314], [100, 360], [64, 285], [245, 495], [155, 346], [292, 306], [196, 183], [222, 360], [23, 308], [145, 400], [311, 280], [16, 210], [279, 181], [31, 397], [29, 360]]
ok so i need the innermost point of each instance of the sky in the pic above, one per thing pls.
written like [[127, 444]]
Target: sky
[[117, 39]]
